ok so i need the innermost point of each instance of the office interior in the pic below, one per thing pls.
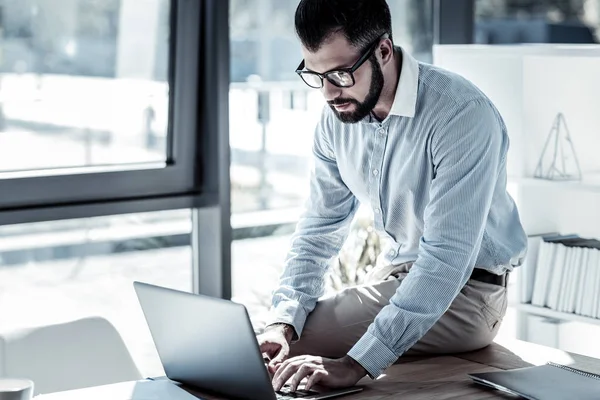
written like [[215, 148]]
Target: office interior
[[169, 141]]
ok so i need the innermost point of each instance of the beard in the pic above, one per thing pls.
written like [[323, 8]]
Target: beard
[[365, 107]]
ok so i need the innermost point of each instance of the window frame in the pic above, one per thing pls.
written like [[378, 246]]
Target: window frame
[[453, 21], [180, 182]]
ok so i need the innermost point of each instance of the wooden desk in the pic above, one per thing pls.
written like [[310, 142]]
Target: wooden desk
[[440, 377]]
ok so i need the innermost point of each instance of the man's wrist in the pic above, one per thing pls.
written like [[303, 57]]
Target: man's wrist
[[287, 329], [355, 365]]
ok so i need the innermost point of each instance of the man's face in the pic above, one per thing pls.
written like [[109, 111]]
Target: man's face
[[351, 104]]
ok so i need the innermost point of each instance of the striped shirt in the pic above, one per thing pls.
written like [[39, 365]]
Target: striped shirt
[[434, 174]]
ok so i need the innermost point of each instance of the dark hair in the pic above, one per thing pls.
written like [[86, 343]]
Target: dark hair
[[360, 21]]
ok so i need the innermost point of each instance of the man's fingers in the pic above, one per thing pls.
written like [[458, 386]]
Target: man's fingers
[[317, 376], [299, 360], [304, 371], [285, 372]]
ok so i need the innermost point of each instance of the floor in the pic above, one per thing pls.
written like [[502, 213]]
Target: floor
[[52, 292]]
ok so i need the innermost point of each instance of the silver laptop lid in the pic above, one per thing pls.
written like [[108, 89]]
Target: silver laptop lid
[[205, 342]]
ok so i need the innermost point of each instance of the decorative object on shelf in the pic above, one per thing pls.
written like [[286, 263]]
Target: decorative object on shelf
[[553, 163]]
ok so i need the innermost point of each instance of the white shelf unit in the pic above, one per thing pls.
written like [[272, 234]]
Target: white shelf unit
[[530, 85], [558, 315]]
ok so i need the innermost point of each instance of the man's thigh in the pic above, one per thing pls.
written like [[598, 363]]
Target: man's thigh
[[471, 323], [338, 322]]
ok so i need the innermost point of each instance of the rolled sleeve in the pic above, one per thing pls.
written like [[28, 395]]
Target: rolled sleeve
[[374, 355]]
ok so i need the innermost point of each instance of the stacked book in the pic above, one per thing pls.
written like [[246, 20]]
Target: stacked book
[[565, 275]]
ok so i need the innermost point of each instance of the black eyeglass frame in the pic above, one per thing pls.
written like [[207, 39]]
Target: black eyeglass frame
[[350, 71]]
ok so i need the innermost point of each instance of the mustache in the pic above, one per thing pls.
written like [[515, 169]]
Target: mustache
[[339, 101]]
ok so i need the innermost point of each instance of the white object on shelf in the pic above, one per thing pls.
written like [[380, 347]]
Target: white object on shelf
[[590, 289], [569, 278], [584, 274], [528, 269], [544, 269], [596, 311], [558, 145], [557, 270]]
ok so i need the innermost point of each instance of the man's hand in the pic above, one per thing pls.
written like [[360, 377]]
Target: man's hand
[[275, 343], [339, 373]]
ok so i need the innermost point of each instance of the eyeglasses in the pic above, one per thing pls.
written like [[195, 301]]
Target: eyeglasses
[[342, 77]]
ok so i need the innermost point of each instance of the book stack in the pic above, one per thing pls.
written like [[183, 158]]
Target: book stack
[[565, 275]]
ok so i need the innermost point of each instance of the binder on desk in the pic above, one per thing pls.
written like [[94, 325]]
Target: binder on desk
[[546, 382]]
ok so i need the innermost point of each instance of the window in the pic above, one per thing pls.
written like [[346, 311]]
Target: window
[[108, 225], [99, 104], [84, 83], [412, 24], [55, 272], [543, 21]]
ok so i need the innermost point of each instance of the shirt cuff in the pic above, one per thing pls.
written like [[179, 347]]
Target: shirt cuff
[[291, 313], [372, 354]]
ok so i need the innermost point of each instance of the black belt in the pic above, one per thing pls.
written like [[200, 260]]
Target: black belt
[[486, 276]]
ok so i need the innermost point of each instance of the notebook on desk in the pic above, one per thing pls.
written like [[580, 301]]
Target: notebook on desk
[[546, 382]]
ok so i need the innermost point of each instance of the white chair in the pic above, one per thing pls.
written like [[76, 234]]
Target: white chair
[[81, 353]]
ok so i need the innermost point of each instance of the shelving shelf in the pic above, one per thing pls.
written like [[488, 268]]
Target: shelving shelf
[[548, 312], [589, 183]]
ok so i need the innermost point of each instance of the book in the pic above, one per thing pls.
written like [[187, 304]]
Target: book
[[584, 276], [545, 382], [558, 270], [541, 280], [564, 274], [590, 290], [596, 310], [572, 279], [529, 270]]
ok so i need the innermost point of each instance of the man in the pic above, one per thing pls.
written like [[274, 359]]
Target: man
[[426, 150]]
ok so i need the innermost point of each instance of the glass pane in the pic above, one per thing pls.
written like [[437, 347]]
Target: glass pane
[[83, 83], [412, 25], [272, 112], [540, 21], [61, 271]]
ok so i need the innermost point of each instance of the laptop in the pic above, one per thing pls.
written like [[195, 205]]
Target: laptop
[[209, 344]]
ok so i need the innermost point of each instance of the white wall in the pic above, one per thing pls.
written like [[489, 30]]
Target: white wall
[[529, 84], [570, 85]]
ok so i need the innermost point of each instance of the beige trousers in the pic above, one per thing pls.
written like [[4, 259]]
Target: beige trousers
[[339, 321]]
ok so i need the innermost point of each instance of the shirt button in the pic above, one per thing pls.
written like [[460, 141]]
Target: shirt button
[[377, 211], [381, 131], [375, 172], [392, 253]]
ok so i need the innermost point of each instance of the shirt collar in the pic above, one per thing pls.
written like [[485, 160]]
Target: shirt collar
[[405, 99]]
